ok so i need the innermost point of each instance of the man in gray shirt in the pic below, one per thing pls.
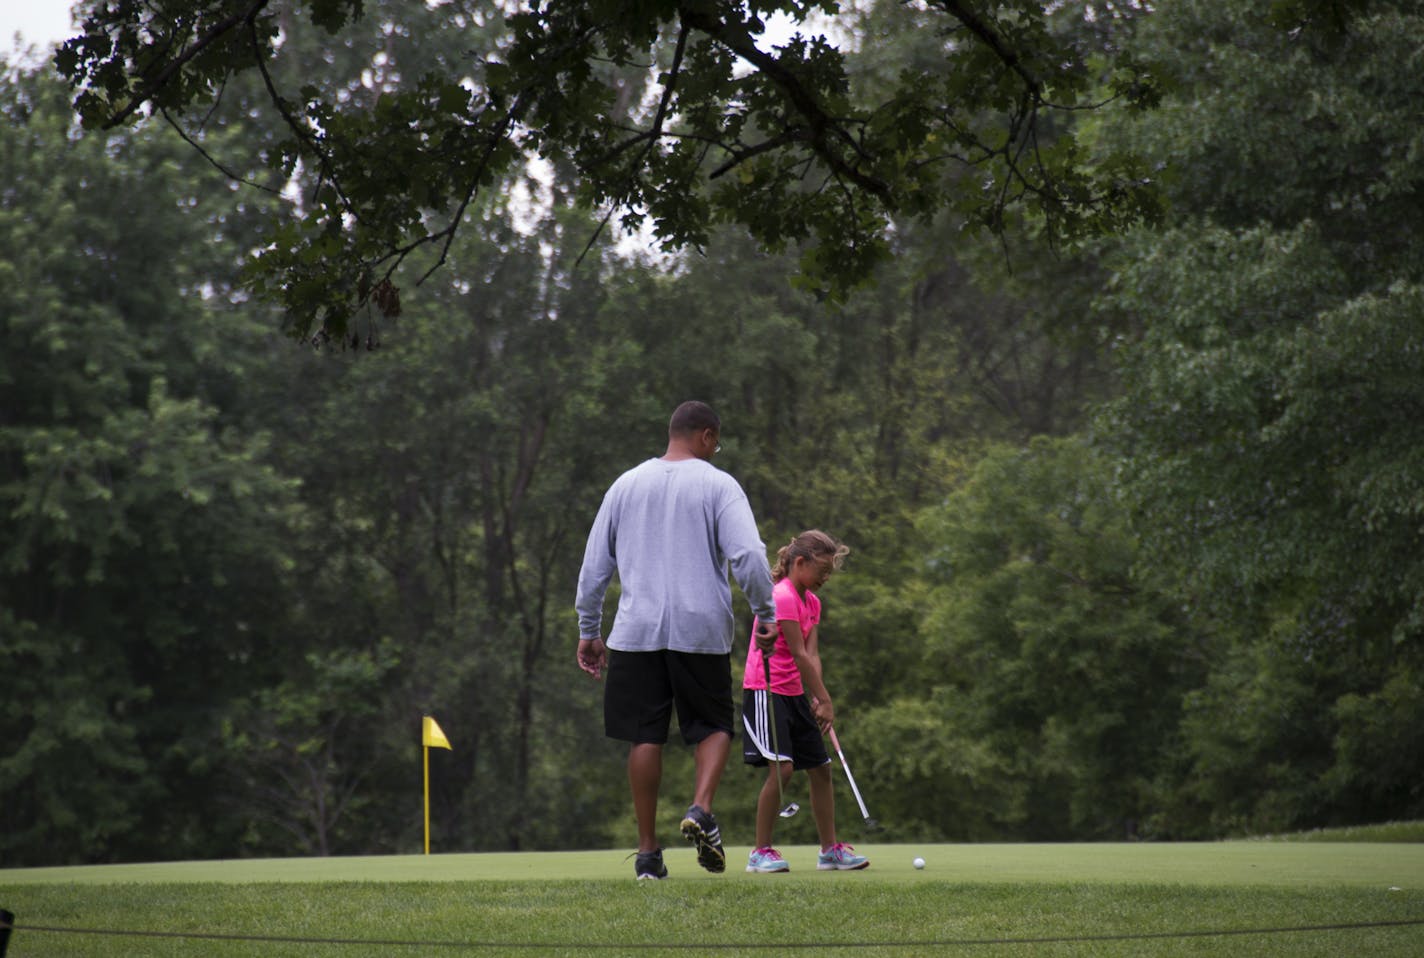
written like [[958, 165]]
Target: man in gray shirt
[[670, 528]]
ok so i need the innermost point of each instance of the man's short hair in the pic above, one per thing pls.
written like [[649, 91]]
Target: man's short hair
[[693, 417]]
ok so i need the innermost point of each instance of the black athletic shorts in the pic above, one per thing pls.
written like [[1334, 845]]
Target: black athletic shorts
[[798, 737], [642, 688]]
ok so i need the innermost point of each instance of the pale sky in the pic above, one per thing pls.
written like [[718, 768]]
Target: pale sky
[[40, 22]]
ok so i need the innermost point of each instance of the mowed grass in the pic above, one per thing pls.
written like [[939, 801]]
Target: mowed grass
[[1213, 899]]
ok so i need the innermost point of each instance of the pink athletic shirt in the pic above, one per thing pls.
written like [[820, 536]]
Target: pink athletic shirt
[[785, 677]]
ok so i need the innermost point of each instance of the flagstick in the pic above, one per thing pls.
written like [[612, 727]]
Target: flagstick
[[431, 735]]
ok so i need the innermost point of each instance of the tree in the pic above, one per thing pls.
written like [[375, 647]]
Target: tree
[[300, 752], [1267, 420], [668, 113], [143, 535], [1049, 675]]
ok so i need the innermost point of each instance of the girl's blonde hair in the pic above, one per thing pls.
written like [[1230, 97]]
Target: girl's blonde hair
[[812, 544]]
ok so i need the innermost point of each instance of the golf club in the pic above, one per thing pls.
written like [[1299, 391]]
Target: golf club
[[787, 810], [870, 823]]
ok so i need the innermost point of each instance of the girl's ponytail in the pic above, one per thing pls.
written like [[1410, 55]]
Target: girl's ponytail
[[811, 544]]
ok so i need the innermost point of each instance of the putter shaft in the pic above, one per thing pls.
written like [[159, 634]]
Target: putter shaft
[[851, 778], [775, 746]]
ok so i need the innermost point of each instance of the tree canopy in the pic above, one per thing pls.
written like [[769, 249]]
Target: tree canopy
[[677, 115]]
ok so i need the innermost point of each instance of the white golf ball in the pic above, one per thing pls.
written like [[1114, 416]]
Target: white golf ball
[[919, 863]]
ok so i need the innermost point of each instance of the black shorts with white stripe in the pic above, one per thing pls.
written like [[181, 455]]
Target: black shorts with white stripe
[[797, 734]]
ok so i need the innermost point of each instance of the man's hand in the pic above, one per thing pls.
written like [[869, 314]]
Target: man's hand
[[592, 656], [766, 633]]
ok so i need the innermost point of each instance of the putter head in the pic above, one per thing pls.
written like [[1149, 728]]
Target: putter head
[[871, 825], [791, 809]]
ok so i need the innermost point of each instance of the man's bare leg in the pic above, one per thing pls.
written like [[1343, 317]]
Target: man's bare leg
[[710, 758], [645, 774], [699, 826]]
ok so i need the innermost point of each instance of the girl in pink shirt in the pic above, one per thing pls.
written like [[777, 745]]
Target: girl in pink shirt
[[795, 666]]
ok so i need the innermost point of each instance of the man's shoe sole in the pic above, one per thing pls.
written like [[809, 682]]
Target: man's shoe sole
[[709, 856]]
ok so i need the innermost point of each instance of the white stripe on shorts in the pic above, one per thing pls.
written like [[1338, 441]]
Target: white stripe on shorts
[[758, 728]]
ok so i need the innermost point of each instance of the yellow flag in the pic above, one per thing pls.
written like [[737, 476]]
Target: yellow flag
[[431, 736]]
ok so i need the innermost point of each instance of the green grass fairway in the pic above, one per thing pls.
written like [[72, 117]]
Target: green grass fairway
[[1198, 863], [1208, 899]]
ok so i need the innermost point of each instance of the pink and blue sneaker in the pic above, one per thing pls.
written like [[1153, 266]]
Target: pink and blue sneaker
[[840, 857], [766, 860]]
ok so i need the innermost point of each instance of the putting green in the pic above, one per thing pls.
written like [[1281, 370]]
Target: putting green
[[1302, 864]]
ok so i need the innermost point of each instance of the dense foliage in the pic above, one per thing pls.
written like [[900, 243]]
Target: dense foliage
[[1267, 423], [1134, 521], [670, 113]]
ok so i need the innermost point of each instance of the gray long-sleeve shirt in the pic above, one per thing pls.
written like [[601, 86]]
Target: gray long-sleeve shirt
[[670, 530]]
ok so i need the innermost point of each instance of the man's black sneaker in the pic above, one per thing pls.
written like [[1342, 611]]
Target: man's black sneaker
[[700, 828], [650, 865]]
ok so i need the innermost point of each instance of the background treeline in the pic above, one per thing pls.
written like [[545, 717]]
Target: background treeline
[[1136, 526]]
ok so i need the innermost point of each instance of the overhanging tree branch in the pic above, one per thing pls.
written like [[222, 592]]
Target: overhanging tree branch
[[986, 35], [153, 85], [235, 177], [818, 120], [301, 132], [651, 136], [803, 112], [740, 156]]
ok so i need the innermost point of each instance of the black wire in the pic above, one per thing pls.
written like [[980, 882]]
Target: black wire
[[723, 946]]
